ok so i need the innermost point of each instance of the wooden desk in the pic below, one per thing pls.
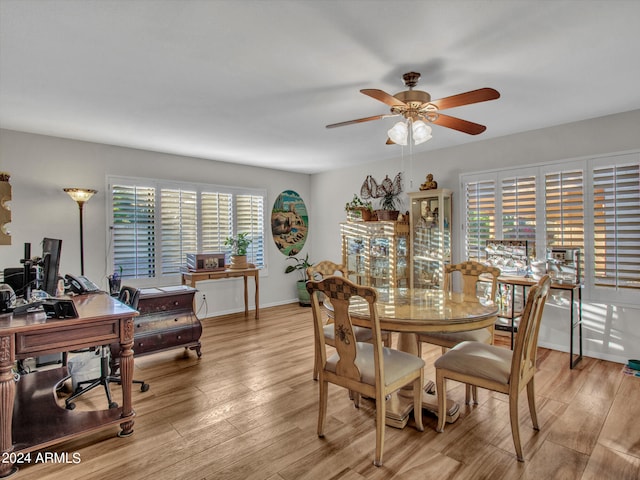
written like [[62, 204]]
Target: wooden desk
[[191, 278], [30, 418], [524, 282], [412, 311]]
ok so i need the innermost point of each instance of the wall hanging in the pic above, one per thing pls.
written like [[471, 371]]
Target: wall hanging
[[289, 223]]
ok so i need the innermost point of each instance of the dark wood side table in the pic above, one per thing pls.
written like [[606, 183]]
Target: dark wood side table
[[167, 320]]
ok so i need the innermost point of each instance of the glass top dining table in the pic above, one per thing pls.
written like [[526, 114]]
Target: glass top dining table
[[416, 310], [411, 311]]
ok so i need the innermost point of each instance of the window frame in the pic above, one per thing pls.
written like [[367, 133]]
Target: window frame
[[199, 188], [621, 296]]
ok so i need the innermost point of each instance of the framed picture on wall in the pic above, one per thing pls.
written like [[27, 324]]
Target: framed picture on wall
[[289, 223]]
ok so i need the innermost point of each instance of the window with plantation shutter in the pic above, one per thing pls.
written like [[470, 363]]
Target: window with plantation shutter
[[519, 208], [592, 204], [178, 226], [133, 231], [156, 223], [616, 220], [480, 199]]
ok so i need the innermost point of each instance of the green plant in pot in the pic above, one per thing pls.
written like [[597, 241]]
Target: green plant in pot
[[389, 207], [359, 210], [387, 191], [239, 244], [300, 266]]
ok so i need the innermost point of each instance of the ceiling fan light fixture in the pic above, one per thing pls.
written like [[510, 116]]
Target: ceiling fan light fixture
[[421, 132], [399, 133]]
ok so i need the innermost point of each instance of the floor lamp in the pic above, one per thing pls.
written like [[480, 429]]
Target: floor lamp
[[81, 195]]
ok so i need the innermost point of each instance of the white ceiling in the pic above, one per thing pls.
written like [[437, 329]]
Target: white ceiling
[[255, 82]]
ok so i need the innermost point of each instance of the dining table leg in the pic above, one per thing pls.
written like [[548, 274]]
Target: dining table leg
[[400, 404]]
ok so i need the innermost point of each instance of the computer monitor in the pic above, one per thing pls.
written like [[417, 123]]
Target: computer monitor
[[51, 249], [14, 277]]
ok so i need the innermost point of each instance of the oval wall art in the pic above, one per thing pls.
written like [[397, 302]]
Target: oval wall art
[[289, 223]]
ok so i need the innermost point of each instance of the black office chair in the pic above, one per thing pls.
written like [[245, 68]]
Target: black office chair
[[128, 296]]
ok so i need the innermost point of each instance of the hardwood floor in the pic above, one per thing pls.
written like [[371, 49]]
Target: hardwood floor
[[248, 410]]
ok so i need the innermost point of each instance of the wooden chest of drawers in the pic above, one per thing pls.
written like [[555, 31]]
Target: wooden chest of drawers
[[166, 321]]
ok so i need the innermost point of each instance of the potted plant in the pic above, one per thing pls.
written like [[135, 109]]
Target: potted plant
[[358, 210], [388, 191], [389, 207], [301, 266], [239, 244]]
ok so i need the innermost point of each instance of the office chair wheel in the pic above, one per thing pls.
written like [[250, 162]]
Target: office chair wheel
[[144, 387], [71, 406], [113, 405]]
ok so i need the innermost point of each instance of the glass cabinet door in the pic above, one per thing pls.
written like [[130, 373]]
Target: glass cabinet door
[[376, 253], [430, 224]]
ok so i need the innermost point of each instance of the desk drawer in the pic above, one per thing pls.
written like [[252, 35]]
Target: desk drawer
[[152, 323], [158, 341], [170, 303], [64, 338]]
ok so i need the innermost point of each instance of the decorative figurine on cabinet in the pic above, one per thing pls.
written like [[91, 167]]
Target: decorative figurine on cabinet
[[429, 184]]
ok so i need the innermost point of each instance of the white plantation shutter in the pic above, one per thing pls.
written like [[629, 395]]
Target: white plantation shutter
[[480, 198], [156, 223], [133, 231], [519, 208], [564, 209], [217, 220], [250, 219], [179, 228], [616, 221]]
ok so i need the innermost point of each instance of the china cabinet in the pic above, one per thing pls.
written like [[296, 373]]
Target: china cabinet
[[430, 238], [376, 253]]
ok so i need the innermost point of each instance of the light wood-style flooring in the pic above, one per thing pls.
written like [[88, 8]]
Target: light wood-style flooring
[[248, 410]]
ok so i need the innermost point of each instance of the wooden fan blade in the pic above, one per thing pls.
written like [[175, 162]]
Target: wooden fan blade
[[360, 120], [390, 142], [383, 97], [458, 124], [474, 96]]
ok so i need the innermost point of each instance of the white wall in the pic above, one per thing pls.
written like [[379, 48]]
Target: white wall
[[611, 331], [41, 166]]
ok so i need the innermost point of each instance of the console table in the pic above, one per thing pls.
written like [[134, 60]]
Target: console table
[[513, 281], [30, 418], [190, 278]]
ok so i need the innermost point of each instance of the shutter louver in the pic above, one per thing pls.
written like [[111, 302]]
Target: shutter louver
[[250, 218], [519, 208], [179, 228], [480, 217], [134, 231], [217, 220], [616, 197]]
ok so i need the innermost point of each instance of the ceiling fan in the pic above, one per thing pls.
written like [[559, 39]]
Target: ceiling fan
[[416, 106]]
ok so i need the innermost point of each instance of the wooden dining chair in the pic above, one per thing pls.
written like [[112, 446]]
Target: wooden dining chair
[[368, 369], [324, 269], [469, 272], [499, 369]]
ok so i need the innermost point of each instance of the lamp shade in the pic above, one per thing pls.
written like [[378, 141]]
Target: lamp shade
[[398, 133], [80, 195], [421, 132]]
